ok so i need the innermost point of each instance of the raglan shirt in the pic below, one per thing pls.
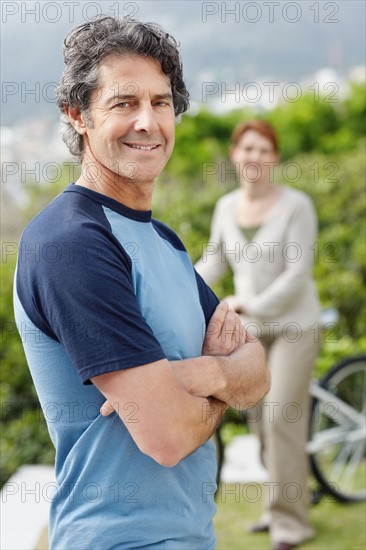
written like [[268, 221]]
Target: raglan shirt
[[100, 287]]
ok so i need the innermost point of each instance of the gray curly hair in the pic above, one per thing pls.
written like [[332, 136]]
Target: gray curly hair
[[85, 47]]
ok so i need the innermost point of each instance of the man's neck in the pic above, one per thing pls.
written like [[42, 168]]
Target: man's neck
[[133, 194]]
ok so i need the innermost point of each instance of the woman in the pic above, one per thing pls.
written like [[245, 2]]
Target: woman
[[266, 232]]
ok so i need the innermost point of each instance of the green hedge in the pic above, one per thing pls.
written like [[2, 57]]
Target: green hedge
[[323, 141]]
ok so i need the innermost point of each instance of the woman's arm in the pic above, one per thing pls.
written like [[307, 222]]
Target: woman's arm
[[212, 264]]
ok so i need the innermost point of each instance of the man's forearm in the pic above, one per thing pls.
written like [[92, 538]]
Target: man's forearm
[[212, 411], [196, 424], [240, 379], [172, 422]]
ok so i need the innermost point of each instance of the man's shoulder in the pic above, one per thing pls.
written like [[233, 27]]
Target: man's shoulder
[[67, 216], [71, 236]]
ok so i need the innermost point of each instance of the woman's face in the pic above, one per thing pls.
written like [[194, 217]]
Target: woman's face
[[254, 157]]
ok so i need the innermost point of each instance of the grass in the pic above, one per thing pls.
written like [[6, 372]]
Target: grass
[[338, 526]]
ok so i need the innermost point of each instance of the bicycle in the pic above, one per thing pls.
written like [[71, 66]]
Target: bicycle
[[337, 431]]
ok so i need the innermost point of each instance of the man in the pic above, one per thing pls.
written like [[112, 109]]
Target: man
[[117, 312]]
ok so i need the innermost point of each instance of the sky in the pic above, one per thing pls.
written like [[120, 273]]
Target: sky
[[221, 42]]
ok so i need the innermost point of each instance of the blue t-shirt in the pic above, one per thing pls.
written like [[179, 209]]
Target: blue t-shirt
[[101, 287]]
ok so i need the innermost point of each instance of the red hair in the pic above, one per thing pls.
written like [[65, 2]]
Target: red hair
[[260, 126]]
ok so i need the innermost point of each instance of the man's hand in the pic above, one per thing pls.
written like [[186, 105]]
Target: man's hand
[[237, 374], [225, 332], [106, 409], [234, 304]]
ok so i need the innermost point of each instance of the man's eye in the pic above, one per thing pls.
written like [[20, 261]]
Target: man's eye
[[122, 104]]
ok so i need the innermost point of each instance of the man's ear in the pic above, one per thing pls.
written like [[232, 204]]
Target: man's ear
[[76, 118]]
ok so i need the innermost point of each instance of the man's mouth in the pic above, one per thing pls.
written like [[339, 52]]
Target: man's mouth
[[142, 147]]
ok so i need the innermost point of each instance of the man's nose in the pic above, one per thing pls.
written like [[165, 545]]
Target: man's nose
[[146, 119]]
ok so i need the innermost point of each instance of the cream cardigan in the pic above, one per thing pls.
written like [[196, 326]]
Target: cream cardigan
[[273, 273]]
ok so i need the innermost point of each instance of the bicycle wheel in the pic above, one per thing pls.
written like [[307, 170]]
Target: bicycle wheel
[[337, 430]]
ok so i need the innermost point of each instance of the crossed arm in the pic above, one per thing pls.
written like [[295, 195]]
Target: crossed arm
[[180, 403]]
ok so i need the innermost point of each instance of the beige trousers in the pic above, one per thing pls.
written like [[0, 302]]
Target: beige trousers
[[281, 422]]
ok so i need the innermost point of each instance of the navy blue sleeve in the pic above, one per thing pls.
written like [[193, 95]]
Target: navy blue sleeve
[[78, 290], [209, 300]]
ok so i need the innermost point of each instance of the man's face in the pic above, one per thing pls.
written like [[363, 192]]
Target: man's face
[[132, 119]]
